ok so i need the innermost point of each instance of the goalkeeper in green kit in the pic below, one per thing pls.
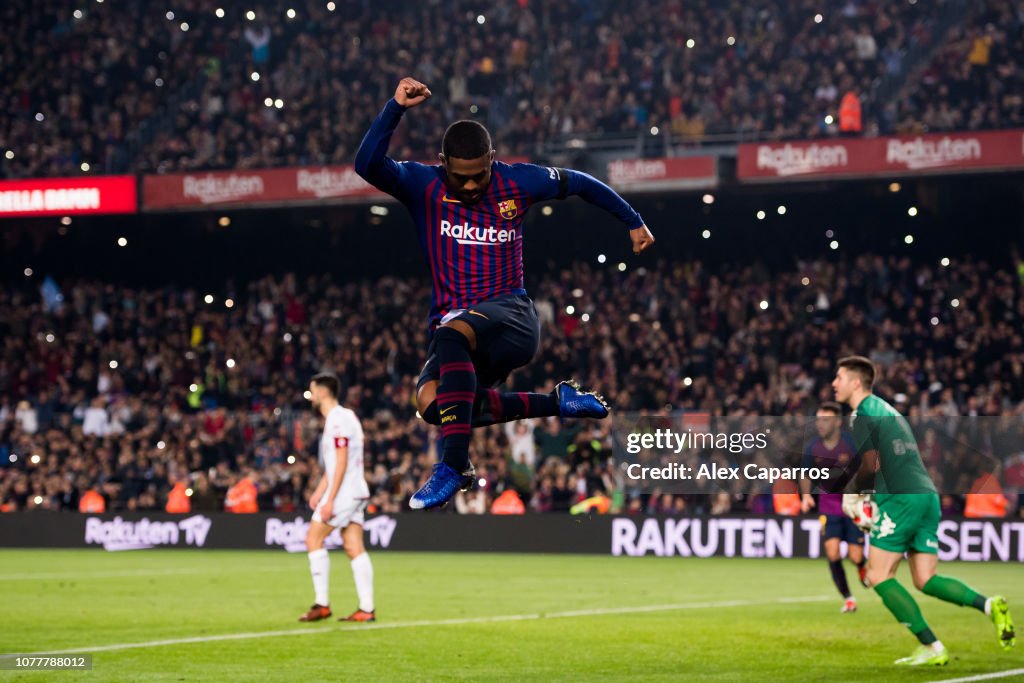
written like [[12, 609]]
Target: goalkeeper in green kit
[[897, 502]]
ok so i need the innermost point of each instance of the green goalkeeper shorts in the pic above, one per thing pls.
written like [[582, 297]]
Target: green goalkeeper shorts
[[907, 522]]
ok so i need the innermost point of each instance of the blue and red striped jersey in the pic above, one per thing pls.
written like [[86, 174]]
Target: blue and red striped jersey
[[474, 252]]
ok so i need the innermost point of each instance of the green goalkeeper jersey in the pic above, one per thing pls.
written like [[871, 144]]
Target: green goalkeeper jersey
[[878, 426]]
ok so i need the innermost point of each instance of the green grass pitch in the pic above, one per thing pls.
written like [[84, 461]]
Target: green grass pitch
[[503, 617]]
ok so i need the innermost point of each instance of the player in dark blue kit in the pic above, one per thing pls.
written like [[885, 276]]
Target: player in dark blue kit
[[468, 212], [835, 449]]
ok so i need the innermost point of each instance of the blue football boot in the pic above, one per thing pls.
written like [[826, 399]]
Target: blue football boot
[[573, 401], [443, 484]]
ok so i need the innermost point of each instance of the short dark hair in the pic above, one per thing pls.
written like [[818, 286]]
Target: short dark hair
[[831, 407], [863, 367], [328, 380], [466, 140]]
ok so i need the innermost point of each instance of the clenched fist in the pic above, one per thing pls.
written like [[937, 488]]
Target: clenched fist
[[411, 92], [642, 238]]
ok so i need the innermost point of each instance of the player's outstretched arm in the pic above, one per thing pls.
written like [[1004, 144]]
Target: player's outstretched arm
[[559, 183], [372, 161]]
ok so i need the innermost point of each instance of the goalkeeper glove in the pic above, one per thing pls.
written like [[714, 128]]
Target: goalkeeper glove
[[861, 509]]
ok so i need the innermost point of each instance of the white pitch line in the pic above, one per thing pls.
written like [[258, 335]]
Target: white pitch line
[[376, 626], [983, 677]]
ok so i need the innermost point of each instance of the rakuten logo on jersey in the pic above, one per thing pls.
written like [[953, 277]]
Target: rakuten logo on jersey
[[472, 234], [793, 160], [920, 153]]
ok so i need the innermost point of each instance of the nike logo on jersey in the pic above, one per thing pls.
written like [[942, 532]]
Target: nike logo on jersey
[[479, 314], [442, 412], [449, 200]]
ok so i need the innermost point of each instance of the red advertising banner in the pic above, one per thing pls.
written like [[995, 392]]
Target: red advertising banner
[[68, 196], [889, 156], [242, 187], [676, 173], [259, 187]]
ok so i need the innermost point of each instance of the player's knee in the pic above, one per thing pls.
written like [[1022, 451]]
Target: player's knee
[[314, 541], [429, 412], [921, 581], [875, 577]]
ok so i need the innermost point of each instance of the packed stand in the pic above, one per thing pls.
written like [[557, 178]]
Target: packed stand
[[976, 79], [298, 85], [125, 394]]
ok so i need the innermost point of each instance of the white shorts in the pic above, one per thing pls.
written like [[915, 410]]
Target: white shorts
[[346, 511]]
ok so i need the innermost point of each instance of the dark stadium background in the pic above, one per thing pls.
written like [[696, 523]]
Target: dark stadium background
[[978, 216]]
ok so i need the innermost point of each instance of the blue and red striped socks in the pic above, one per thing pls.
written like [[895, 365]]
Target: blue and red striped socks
[[494, 407], [455, 396]]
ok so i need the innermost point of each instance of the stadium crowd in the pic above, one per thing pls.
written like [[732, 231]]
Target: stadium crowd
[[123, 395], [294, 86]]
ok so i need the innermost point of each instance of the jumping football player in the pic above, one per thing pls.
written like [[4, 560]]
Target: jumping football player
[[468, 211], [834, 449], [907, 515], [338, 502]]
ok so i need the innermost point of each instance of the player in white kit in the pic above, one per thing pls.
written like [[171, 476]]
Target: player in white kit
[[339, 501]]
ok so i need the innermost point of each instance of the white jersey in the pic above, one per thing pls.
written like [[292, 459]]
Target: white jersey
[[342, 428]]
